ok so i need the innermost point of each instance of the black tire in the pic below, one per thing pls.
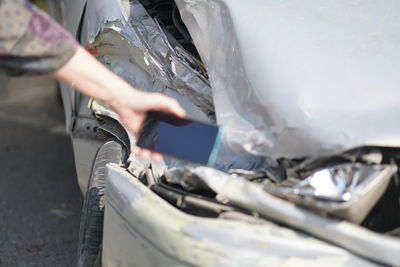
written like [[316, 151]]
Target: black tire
[[91, 229]]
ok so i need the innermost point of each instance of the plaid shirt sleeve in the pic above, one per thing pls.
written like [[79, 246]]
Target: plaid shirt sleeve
[[30, 41]]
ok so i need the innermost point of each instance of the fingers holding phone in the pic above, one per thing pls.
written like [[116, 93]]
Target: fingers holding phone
[[184, 139]]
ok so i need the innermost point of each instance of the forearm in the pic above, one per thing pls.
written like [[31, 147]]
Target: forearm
[[91, 78]]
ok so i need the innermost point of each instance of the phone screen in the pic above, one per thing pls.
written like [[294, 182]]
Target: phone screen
[[186, 139]]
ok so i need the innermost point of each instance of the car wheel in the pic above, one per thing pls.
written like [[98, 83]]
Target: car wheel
[[91, 228]]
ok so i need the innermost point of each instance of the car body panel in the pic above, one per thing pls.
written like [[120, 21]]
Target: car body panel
[[304, 78], [79, 122], [266, 109], [137, 216], [69, 14], [252, 196]]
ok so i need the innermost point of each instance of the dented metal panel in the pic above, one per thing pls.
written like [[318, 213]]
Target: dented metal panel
[[133, 45], [252, 196], [168, 233], [301, 78]]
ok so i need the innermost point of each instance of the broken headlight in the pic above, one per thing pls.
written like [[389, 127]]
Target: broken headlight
[[348, 190]]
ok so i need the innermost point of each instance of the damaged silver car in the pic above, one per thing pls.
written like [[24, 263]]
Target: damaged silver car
[[306, 93]]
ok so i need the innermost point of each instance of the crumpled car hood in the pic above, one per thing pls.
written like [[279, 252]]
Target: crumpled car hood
[[303, 78]]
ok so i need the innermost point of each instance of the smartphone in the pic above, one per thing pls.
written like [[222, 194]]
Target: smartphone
[[186, 139]]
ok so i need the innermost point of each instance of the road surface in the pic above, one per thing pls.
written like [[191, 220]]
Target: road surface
[[40, 202]]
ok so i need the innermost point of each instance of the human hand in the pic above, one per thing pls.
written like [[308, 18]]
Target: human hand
[[132, 106], [93, 79]]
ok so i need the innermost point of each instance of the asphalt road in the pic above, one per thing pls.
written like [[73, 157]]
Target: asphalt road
[[40, 202]]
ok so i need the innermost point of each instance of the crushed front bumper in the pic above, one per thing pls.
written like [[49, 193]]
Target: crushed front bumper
[[141, 228]]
